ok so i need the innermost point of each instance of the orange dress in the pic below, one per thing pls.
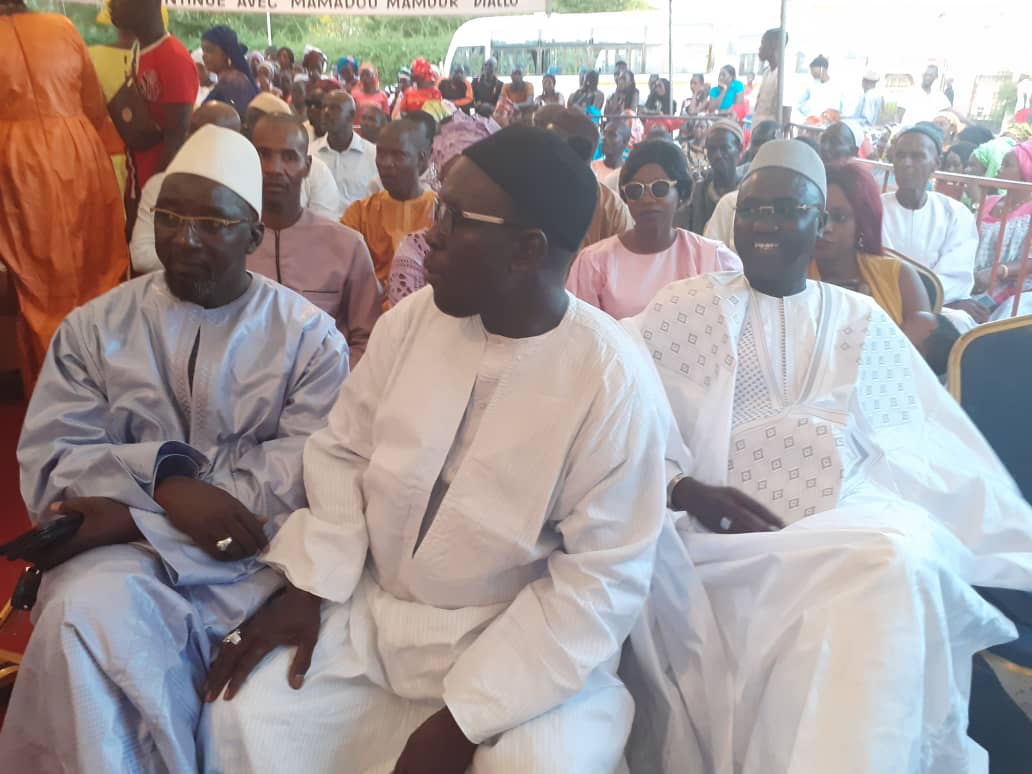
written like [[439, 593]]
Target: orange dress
[[62, 227]]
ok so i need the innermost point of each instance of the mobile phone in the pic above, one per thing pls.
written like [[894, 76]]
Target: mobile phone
[[45, 536]]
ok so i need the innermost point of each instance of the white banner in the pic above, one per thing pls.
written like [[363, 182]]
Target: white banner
[[357, 7]]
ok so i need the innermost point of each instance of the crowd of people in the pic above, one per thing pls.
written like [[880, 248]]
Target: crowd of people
[[439, 431]]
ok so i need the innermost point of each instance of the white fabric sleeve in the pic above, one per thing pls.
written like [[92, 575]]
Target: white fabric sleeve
[[956, 265], [721, 225], [320, 194], [919, 436], [141, 247], [563, 626], [322, 548]]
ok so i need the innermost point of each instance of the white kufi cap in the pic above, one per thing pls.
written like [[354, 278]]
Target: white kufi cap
[[795, 156], [225, 157], [269, 103]]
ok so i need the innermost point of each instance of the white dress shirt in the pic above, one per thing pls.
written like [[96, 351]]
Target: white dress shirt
[[352, 169]]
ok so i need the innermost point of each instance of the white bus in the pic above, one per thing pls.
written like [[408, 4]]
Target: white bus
[[572, 43]]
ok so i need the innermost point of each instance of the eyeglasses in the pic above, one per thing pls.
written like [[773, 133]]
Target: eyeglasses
[[203, 225], [658, 188], [445, 217], [785, 213]]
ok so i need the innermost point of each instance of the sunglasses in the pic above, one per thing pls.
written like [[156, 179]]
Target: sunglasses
[[659, 189]]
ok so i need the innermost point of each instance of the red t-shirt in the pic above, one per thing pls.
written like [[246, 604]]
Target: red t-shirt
[[166, 75], [362, 99], [414, 99]]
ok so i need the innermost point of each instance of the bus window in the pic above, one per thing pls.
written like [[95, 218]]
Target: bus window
[[568, 60], [688, 58], [470, 57], [608, 56], [509, 56]]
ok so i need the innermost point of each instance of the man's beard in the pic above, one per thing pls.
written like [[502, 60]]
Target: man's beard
[[194, 290]]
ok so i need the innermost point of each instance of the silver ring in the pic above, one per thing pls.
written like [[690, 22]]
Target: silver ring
[[233, 638], [224, 544], [726, 523]]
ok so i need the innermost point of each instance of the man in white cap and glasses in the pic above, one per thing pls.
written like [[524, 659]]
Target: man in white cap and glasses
[[142, 245], [318, 191], [816, 610], [170, 414]]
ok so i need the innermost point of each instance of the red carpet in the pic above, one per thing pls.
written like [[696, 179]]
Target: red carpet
[[13, 518]]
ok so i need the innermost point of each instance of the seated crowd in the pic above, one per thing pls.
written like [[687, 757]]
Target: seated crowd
[[431, 445]]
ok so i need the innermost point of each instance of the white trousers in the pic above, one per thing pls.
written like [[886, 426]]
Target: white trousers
[[340, 721]]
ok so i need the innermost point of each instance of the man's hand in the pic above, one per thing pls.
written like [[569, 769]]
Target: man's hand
[[723, 509], [209, 515], [291, 617], [105, 522], [979, 313], [436, 747], [982, 279]]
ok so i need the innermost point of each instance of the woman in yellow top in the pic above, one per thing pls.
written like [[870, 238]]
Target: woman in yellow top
[[849, 254]]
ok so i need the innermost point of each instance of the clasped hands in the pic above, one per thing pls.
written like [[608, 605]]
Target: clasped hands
[[206, 514]]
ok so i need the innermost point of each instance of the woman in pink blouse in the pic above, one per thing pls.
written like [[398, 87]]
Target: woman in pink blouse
[[620, 275], [367, 90]]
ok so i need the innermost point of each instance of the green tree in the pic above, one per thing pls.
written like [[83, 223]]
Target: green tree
[[388, 41]]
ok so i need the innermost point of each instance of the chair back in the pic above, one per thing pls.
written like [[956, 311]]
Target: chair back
[[990, 375], [931, 282]]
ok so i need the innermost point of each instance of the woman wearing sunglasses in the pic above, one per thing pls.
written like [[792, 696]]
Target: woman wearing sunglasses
[[620, 275]]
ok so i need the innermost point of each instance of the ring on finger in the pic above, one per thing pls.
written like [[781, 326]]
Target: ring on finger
[[233, 638], [224, 544], [726, 523]]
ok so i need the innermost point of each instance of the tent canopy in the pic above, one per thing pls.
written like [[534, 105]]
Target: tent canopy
[[356, 7]]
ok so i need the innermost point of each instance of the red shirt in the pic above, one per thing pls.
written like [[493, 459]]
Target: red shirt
[[167, 75], [362, 99], [414, 99]]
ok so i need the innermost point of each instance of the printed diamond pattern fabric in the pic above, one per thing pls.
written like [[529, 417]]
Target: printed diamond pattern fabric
[[885, 382], [792, 465], [689, 335]]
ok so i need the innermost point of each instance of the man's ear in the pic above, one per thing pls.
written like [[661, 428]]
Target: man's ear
[[257, 234], [532, 251]]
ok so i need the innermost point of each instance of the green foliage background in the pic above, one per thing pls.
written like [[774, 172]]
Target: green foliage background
[[388, 42]]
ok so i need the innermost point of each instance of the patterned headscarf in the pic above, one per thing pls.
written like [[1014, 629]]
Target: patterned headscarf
[[347, 60], [454, 135], [421, 70], [1019, 132]]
